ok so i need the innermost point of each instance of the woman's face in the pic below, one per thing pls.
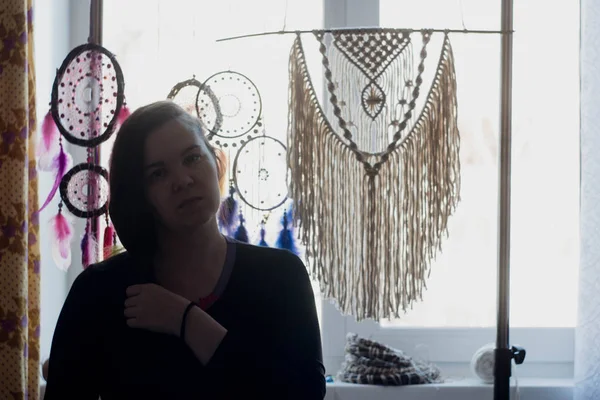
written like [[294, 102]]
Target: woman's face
[[181, 177]]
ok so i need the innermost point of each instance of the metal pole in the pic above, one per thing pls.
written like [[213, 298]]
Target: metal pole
[[95, 37], [96, 22], [503, 353]]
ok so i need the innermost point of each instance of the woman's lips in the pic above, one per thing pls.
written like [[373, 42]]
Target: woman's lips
[[190, 202]]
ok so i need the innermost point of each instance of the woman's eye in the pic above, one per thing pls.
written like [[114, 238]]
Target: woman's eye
[[193, 158], [156, 174]]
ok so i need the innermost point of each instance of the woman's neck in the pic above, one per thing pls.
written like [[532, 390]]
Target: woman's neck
[[189, 251]]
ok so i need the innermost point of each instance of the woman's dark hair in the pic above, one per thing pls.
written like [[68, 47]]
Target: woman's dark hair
[[128, 206]]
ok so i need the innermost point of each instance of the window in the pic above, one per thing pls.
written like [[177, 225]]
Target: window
[[169, 41]]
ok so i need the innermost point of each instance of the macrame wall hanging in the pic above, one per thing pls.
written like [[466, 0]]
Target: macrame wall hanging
[[230, 107], [86, 108], [373, 178]]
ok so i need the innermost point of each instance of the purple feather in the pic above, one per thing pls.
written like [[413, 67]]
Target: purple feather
[[85, 251], [61, 241], [62, 162], [49, 143]]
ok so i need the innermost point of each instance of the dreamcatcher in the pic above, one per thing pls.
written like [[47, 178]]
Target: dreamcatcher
[[87, 106], [230, 108], [373, 183]]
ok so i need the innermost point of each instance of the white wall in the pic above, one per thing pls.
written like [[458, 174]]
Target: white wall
[[51, 41], [59, 26]]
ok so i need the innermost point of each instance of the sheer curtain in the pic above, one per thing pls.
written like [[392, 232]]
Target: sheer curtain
[[587, 343]]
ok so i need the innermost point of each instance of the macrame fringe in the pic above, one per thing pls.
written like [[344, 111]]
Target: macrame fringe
[[370, 238]]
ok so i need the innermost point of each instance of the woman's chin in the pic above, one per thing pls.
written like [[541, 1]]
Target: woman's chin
[[195, 220]]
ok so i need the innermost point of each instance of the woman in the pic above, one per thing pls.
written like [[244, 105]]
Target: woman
[[185, 313]]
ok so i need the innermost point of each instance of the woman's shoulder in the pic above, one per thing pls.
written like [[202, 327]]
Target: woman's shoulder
[[105, 275], [273, 261], [251, 252], [116, 265]]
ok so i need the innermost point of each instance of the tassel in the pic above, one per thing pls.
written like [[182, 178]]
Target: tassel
[[262, 242], [124, 113], [286, 236], [85, 250], [241, 234], [62, 162], [61, 240], [107, 246], [48, 146], [227, 212]]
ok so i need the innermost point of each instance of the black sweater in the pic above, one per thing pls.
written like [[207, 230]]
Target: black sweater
[[272, 349]]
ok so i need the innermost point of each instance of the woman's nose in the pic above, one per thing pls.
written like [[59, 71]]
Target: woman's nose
[[181, 180]]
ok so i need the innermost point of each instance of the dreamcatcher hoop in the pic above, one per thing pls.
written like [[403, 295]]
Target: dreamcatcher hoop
[[73, 198], [230, 107], [67, 108], [263, 173], [191, 105]]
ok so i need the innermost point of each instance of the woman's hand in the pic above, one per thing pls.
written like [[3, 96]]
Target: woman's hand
[[150, 306]]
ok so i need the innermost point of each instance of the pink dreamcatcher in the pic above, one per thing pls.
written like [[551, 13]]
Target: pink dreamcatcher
[[87, 106]]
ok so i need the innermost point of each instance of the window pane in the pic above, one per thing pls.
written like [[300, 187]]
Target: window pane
[[545, 165], [169, 41]]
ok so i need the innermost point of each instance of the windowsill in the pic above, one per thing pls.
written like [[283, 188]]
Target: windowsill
[[464, 389]]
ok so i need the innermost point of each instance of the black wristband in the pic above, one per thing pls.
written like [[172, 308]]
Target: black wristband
[[184, 319]]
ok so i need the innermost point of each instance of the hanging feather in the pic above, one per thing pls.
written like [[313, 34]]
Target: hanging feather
[[286, 236], [227, 212], [49, 143], [124, 113], [262, 242], [92, 251], [62, 162], [85, 250], [241, 234], [61, 240], [107, 245], [89, 247]]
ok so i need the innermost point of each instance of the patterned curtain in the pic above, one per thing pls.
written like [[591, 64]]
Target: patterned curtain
[[19, 250], [587, 338]]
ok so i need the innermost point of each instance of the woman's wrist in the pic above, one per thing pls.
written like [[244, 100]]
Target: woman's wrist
[[203, 334], [184, 320]]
